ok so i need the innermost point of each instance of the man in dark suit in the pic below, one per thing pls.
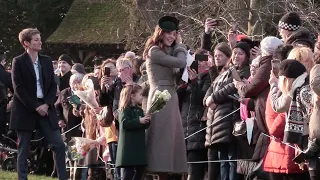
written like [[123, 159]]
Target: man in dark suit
[[33, 102]]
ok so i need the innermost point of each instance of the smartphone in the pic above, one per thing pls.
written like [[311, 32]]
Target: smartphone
[[256, 43], [235, 74], [201, 57], [275, 64], [300, 158], [233, 97], [194, 66], [235, 28], [107, 71], [219, 22], [74, 99]]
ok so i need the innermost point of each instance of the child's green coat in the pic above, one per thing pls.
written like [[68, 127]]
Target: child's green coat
[[131, 144]]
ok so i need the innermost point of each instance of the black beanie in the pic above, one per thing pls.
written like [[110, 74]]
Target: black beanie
[[244, 46], [66, 58], [224, 48], [290, 21], [291, 68]]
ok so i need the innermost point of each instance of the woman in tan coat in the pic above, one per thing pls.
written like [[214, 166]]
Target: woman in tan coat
[[166, 151]]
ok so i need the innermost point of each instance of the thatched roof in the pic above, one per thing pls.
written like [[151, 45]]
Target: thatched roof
[[92, 22]]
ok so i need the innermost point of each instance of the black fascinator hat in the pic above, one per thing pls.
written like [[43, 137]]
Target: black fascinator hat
[[168, 23]]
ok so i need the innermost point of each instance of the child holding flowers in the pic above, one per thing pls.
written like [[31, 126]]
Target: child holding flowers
[[131, 153]]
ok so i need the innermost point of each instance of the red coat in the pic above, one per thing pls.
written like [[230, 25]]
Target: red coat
[[278, 158]]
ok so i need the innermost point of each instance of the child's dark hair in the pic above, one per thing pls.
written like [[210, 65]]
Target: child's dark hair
[[282, 52], [125, 95]]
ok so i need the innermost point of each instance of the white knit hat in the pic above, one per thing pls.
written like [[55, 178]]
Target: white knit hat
[[269, 45]]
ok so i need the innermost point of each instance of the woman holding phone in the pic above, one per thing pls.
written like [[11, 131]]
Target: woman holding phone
[[219, 133], [165, 55], [192, 112]]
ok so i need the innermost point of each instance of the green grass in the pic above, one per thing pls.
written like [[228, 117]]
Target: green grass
[[5, 175]]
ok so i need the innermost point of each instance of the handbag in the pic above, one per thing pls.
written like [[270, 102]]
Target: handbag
[[239, 128]]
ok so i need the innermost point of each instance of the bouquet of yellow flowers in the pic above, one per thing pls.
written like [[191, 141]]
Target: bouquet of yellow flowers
[[159, 100]]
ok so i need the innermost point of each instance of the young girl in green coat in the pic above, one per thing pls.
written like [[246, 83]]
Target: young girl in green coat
[[131, 153]]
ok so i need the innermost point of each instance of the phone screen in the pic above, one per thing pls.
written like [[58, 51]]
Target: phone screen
[[235, 74], [256, 43], [201, 57], [275, 67], [194, 65], [219, 22], [107, 71]]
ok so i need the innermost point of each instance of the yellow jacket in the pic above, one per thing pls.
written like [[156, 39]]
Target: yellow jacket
[[111, 134]]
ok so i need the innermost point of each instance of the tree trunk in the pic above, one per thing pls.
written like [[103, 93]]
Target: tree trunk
[[255, 26]]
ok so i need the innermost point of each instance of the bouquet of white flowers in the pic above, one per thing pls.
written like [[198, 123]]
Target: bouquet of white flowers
[[87, 94], [81, 147], [159, 100]]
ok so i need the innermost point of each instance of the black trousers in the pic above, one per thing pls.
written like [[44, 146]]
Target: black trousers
[[197, 171], [296, 176], [53, 137], [314, 174], [133, 172], [213, 168], [3, 117]]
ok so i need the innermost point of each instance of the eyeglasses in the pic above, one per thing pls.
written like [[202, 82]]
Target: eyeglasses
[[123, 69]]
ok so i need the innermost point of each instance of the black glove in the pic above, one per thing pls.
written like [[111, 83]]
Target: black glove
[[313, 149]]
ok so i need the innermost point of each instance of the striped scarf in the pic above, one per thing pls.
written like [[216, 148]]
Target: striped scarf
[[297, 118]]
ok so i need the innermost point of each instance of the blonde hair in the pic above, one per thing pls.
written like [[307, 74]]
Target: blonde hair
[[125, 95], [26, 35], [303, 55], [124, 61]]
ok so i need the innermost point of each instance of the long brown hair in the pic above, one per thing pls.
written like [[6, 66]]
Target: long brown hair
[[90, 121], [125, 95], [90, 117], [155, 40], [101, 73]]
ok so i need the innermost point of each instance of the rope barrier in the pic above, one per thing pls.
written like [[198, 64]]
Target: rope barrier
[[195, 162], [218, 161], [35, 140], [71, 129], [212, 124], [287, 144], [9, 138]]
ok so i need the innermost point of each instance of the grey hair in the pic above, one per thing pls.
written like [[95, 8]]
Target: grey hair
[[130, 55], [76, 77], [124, 61]]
